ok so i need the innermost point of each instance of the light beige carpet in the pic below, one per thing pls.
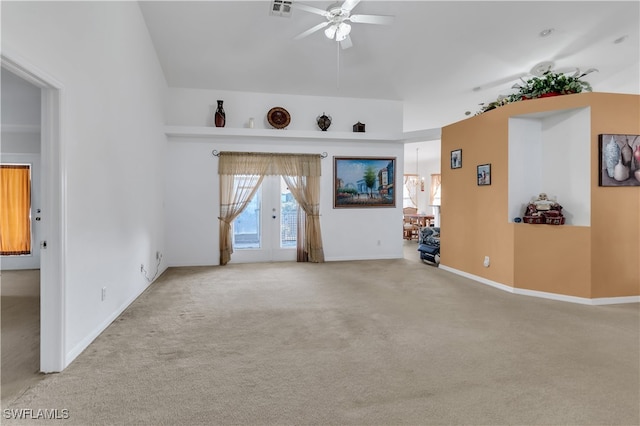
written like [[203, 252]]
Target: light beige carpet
[[20, 338], [371, 342]]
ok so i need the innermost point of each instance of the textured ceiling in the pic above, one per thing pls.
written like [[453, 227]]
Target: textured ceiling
[[432, 57]]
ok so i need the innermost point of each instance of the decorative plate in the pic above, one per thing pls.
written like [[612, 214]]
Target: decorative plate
[[279, 117]]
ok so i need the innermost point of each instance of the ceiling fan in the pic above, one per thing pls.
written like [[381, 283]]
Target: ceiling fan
[[338, 16], [538, 70]]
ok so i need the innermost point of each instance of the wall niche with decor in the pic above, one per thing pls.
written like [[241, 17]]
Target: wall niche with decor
[[549, 152]]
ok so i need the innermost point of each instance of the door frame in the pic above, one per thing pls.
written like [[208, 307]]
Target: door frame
[[53, 202], [272, 253]]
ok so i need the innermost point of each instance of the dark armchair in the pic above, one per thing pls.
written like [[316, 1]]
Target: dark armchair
[[429, 245]]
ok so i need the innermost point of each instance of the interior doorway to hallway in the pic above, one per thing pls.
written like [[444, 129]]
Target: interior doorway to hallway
[[20, 225], [52, 351]]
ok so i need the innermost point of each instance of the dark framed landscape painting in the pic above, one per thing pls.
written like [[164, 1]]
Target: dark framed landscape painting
[[364, 182], [618, 160]]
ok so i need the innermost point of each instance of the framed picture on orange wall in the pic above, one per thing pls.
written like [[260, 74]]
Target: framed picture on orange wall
[[456, 159], [484, 174], [619, 160]]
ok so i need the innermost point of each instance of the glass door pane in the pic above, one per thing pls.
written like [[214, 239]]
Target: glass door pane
[[266, 231], [246, 227]]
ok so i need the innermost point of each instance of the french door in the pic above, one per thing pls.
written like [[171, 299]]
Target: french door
[[266, 231]]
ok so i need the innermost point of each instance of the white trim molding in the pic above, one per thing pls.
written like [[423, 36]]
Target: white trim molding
[[542, 294], [422, 135], [53, 201], [21, 128], [228, 133]]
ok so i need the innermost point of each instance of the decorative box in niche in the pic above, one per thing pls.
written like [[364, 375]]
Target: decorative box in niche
[[554, 220], [533, 219], [358, 127], [543, 210]]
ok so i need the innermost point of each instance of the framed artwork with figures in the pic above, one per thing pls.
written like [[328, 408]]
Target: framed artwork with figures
[[484, 174], [456, 159], [619, 160]]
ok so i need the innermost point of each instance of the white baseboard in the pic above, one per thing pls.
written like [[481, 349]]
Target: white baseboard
[[615, 300], [545, 295], [372, 257]]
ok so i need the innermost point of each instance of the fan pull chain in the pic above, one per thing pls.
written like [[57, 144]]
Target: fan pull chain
[[338, 65]]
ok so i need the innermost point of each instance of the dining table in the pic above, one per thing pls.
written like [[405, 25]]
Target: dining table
[[420, 219]]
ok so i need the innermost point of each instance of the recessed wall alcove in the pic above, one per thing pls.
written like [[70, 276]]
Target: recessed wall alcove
[[549, 152]]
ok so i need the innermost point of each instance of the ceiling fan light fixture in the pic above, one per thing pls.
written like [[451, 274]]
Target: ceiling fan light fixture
[[343, 31], [330, 32]]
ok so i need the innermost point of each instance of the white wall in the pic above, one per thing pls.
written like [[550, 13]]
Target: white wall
[[525, 159], [20, 142], [193, 107], [113, 148], [20, 104], [192, 181], [566, 150]]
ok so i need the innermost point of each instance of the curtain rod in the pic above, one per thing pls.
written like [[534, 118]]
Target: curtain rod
[[217, 153]]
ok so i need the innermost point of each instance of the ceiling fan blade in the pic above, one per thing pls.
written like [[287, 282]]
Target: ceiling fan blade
[[311, 30], [346, 43], [310, 9], [567, 70], [500, 82], [372, 19], [350, 4]]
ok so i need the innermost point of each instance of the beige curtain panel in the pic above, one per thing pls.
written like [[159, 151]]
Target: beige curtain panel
[[235, 194], [241, 173], [302, 176], [411, 183], [436, 181], [15, 209]]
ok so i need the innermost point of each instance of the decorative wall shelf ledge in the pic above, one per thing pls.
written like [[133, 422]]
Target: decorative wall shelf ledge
[[226, 132]]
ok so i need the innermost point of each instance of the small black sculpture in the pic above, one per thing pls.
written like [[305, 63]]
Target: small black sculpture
[[324, 121]]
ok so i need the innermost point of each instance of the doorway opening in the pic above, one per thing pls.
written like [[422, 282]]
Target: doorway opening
[[50, 240], [266, 230]]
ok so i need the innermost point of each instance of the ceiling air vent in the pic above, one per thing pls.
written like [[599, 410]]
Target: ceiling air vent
[[281, 8]]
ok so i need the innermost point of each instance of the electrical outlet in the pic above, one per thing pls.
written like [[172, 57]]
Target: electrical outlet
[[486, 261], [104, 293]]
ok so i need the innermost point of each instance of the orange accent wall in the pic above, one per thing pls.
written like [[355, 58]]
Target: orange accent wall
[[553, 259], [600, 260]]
